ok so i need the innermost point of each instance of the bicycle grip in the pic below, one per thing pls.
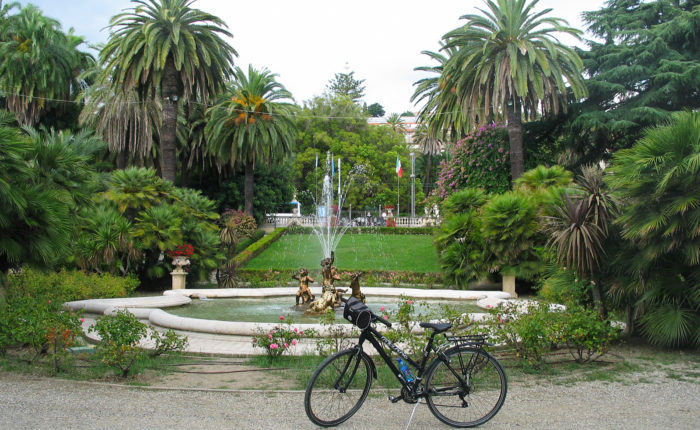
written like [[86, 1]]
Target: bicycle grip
[[382, 320]]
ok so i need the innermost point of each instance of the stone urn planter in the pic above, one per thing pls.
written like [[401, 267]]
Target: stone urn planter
[[179, 273]]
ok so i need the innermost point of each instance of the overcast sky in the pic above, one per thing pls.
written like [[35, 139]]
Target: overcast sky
[[307, 41]]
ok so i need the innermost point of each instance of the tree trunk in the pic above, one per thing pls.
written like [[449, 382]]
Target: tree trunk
[[598, 300], [168, 136], [248, 187], [515, 138], [426, 183]]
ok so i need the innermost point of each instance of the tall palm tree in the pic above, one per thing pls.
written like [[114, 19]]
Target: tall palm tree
[[440, 112], [429, 146], [127, 124], [510, 62], [166, 49], [251, 122], [39, 63]]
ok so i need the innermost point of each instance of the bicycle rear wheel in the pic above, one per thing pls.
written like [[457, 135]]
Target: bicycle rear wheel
[[467, 389], [338, 387]]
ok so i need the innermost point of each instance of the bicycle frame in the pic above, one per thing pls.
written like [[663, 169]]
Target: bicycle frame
[[378, 341]]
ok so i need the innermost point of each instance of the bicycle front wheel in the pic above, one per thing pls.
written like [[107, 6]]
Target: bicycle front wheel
[[338, 387], [467, 388]]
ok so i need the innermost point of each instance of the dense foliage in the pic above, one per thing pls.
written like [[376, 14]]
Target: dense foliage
[[336, 125]]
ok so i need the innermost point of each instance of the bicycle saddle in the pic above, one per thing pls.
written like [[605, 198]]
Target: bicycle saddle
[[438, 327]]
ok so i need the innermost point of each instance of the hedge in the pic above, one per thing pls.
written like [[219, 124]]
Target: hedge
[[245, 243], [369, 230], [256, 248], [68, 285]]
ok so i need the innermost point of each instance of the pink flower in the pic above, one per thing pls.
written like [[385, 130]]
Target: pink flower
[[281, 317], [386, 317], [410, 302], [274, 346], [269, 336], [296, 330], [286, 345], [301, 333], [294, 341], [488, 306], [382, 309], [82, 320]]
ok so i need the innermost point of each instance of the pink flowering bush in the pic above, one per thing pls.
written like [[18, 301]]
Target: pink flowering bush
[[279, 339], [480, 160]]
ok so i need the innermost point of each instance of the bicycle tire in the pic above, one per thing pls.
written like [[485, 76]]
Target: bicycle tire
[[470, 404], [338, 387]]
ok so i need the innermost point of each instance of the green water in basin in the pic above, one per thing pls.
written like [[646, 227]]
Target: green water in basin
[[269, 309]]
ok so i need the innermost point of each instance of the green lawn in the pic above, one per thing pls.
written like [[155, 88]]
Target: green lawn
[[355, 252]]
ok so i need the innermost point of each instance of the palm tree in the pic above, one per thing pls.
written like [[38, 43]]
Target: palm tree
[[166, 49], [441, 114], [659, 178], [126, 123], [251, 122], [39, 63], [395, 122], [509, 61], [429, 146]]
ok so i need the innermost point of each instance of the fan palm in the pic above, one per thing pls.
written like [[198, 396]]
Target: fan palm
[[510, 62], [166, 48], [251, 122], [659, 178]]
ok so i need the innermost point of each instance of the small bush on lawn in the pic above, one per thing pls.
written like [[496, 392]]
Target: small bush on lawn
[[40, 324], [340, 336], [68, 285], [541, 329], [279, 339], [120, 334]]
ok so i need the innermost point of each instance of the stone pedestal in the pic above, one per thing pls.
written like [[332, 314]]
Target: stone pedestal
[[509, 285], [179, 273]]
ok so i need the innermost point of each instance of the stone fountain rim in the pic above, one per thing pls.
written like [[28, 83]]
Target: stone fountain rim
[[150, 308]]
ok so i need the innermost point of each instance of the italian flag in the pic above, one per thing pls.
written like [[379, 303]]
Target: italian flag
[[399, 169]]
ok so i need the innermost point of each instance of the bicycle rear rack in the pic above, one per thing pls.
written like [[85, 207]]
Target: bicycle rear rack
[[470, 340]]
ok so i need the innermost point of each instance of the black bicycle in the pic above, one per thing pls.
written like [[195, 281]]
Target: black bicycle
[[463, 385]]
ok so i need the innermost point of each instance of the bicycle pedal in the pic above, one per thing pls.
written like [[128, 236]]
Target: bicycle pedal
[[393, 399]]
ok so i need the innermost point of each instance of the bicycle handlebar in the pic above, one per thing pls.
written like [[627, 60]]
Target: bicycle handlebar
[[373, 317]]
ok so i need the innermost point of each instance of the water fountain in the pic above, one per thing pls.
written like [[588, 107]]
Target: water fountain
[[329, 229]]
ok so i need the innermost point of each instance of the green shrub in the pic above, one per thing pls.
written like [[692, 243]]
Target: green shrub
[[370, 278], [541, 329], [245, 243], [41, 324], [280, 339], [120, 334], [585, 334], [167, 342], [367, 230], [68, 285], [255, 249]]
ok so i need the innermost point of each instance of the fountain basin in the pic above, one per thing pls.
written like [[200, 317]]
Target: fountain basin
[[150, 307]]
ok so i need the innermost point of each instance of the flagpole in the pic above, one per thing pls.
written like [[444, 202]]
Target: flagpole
[[398, 198]]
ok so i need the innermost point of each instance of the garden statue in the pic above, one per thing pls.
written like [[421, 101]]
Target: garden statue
[[330, 296], [355, 286], [304, 292]]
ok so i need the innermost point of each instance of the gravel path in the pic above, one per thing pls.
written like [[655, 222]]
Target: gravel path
[[42, 403]]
